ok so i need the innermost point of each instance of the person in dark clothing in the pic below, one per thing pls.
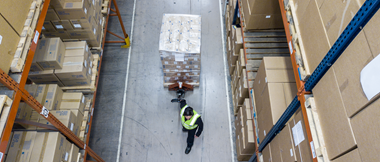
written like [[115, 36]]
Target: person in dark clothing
[[191, 122]]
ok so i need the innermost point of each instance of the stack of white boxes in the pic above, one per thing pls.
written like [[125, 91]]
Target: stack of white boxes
[[179, 47]]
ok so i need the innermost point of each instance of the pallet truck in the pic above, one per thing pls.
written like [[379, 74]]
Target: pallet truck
[[180, 89]]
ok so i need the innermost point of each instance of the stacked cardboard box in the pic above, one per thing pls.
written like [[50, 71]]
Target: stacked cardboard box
[[73, 19], [274, 89], [179, 47], [245, 142], [261, 14], [8, 44], [31, 146], [70, 66]]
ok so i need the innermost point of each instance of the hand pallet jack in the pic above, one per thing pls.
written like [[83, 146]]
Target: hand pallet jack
[[181, 89]]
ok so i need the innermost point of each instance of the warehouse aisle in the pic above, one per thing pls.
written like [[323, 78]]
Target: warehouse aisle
[[151, 127]]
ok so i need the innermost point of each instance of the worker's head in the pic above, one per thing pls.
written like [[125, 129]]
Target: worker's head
[[188, 113]]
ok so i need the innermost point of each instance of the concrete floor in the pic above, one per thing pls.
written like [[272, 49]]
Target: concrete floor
[[151, 128]]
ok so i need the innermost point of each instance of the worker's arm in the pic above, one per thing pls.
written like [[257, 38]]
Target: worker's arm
[[200, 126], [183, 103]]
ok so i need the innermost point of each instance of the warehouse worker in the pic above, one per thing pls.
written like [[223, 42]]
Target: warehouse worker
[[191, 122]]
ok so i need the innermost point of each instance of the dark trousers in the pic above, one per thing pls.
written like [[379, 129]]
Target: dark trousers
[[190, 137]]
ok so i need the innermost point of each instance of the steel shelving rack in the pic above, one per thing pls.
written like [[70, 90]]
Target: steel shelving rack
[[22, 94], [365, 13]]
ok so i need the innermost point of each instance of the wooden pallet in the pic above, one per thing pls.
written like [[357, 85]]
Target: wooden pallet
[[87, 88], [5, 105], [85, 121], [26, 37], [316, 131], [99, 47], [297, 42]]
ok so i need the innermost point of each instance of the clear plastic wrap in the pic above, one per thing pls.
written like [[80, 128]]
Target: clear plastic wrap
[[179, 47]]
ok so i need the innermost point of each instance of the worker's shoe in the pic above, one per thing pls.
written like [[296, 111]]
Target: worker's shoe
[[188, 149], [175, 100]]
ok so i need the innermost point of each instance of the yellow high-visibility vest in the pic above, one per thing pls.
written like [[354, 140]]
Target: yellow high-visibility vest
[[189, 124]]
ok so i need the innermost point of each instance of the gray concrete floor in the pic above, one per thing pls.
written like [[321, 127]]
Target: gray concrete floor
[[151, 127]]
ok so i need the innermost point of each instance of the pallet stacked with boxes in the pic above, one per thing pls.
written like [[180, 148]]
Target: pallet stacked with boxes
[[245, 141], [180, 48], [75, 20]]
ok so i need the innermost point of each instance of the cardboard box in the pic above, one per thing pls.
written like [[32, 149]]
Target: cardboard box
[[74, 68], [53, 97], [15, 147], [24, 112], [237, 40], [41, 93], [372, 33], [275, 149], [39, 146], [48, 27], [51, 51], [314, 37], [262, 14], [336, 15], [32, 89], [66, 117], [300, 6], [73, 97], [79, 118], [62, 25], [65, 156], [364, 126], [267, 154], [15, 12], [347, 71], [8, 43], [27, 148], [44, 77], [333, 117], [74, 10], [51, 14], [247, 142], [57, 4], [54, 148], [275, 99], [352, 156], [273, 70], [300, 141], [74, 151], [240, 155], [285, 144], [61, 34]]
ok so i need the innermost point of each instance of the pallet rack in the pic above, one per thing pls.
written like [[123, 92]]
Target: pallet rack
[[365, 13], [22, 94]]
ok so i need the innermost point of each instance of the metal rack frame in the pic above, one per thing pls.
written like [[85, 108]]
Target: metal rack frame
[[365, 13]]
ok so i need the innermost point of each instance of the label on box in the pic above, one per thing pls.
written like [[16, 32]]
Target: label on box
[[1, 155], [92, 111], [184, 62], [85, 10], [291, 152], [93, 2], [87, 49], [45, 112], [180, 57], [77, 26], [195, 73], [85, 63], [59, 26], [72, 126], [67, 156], [179, 67], [175, 62], [83, 99], [298, 133], [35, 39], [265, 133], [43, 28], [195, 66], [1, 39], [84, 148], [94, 31], [187, 67], [195, 59], [178, 74], [166, 62], [268, 16], [312, 149], [89, 71]]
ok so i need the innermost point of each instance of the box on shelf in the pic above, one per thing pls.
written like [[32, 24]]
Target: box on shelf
[[61, 34], [48, 27], [267, 154], [364, 126], [74, 151], [262, 14], [55, 147], [50, 53], [39, 146], [75, 10], [241, 156], [44, 77], [15, 12], [372, 33], [53, 97], [24, 112], [51, 15], [15, 148], [66, 117], [8, 43], [62, 25], [300, 141]]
